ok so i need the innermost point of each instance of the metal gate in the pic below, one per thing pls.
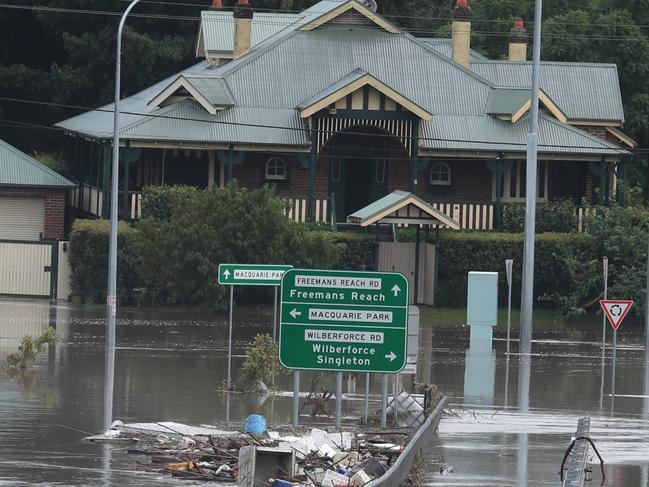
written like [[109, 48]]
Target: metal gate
[[28, 268]]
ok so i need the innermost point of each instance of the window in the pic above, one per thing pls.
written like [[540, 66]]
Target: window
[[380, 171], [276, 169], [440, 174], [336, 170], [512, 187]]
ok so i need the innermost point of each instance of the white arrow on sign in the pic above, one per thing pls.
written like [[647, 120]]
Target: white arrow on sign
[[396, 289], [391, 356], [295, 313], [226, 274]]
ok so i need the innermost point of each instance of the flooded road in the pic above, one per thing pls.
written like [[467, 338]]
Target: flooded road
[[510, 422]]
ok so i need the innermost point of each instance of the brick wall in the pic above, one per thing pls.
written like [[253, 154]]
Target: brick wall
[[54, 207]]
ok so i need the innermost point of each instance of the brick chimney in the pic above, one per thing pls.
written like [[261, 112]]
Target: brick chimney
[[216, 5], [518, 41], [242, 28], [461, 38]]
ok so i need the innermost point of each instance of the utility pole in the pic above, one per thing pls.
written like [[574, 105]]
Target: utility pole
[[527, 304]]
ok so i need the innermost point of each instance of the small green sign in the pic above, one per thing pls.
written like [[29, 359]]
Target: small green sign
[[343, 321], [251, 274]]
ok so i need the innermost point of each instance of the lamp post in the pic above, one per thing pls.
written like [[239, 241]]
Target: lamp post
[[527, 304], [111, 299]]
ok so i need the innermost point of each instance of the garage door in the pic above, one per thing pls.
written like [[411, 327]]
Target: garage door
[[22, 218]]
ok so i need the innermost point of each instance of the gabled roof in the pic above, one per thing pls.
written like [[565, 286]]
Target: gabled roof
[[216, 32], [346, 7], [584, 91], [352, 82], [516, 102], [210, 92], [18, 169], [401, 208]]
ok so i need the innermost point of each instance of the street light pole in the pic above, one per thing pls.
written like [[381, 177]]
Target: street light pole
[[531, 191], [111, 299]]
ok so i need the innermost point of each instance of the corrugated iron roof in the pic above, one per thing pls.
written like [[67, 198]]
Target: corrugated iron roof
[[217, 29], [187, 121], [507, 101], [215, 90], [391, 207], [583, 91], [489, 134], [18, 169], [443, 46]]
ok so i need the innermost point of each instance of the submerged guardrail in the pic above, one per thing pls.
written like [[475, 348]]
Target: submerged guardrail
[[573, 467], [400, 469]]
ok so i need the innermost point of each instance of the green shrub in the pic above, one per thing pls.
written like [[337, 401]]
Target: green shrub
[[261, 364], [555, 216], [622, 234], [179, 251], [89, 261], [157, 201], [562, 266]]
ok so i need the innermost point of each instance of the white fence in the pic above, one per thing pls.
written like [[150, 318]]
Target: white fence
[[298, 209]]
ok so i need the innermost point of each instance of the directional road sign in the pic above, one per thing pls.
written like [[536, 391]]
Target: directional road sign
[[343, 321], [251, 274], [615, 310]]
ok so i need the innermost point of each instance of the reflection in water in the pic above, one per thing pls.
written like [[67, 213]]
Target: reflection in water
[[479, 377], [524, 375], [171, 365]]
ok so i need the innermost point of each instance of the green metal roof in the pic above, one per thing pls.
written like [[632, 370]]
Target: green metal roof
[[443, 46], [401, 207], [18, 169], [583, 91], [507, 101], [290, 68], [216, 33]]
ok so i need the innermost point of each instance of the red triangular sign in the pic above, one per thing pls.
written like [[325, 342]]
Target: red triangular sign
[[615, 310]]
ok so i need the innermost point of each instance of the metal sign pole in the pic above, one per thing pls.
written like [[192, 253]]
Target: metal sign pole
[[646, 308], [367, 395], [613, 371], [296, 397], [230, 338], [339, 397], [384, 402], [509, 264], [605, 271], [275, 316]]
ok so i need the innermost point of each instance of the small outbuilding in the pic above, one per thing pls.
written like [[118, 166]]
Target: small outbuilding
[[32, 198]]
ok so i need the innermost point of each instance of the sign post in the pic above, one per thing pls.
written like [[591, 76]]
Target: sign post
[[509, 266], [615, 310], [343, 321], [247, 275], [605, 271]]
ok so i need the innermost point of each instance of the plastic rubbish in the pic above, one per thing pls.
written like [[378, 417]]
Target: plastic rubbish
[[333, 478], [185, 443], [360, 478], [255, 424], [343, 470], [280, 483]]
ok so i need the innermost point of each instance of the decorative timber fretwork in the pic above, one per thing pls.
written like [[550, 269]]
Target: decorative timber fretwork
[[329, 126]]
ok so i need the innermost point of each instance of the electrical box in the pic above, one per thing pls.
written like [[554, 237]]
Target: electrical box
[[482, 307]]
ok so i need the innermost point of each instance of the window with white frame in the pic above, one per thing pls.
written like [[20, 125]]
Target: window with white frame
[[512, 185], [440, 174], [276, 169]]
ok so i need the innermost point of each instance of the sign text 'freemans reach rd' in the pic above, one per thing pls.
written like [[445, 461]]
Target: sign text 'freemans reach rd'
[[343, 320], [251, 274]]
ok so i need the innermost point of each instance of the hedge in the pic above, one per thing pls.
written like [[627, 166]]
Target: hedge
[[89, 261], [563, 264], [554, 216]]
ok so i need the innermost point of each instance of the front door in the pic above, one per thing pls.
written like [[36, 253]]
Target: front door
[[357, 182]]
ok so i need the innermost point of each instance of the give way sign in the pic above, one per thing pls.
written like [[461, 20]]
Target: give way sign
[[616, 310]]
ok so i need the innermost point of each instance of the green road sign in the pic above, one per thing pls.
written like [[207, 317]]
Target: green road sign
[[251, 274], [343, 321]]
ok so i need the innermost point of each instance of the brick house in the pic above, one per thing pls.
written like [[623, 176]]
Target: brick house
[[337, 107], [32, 198]]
